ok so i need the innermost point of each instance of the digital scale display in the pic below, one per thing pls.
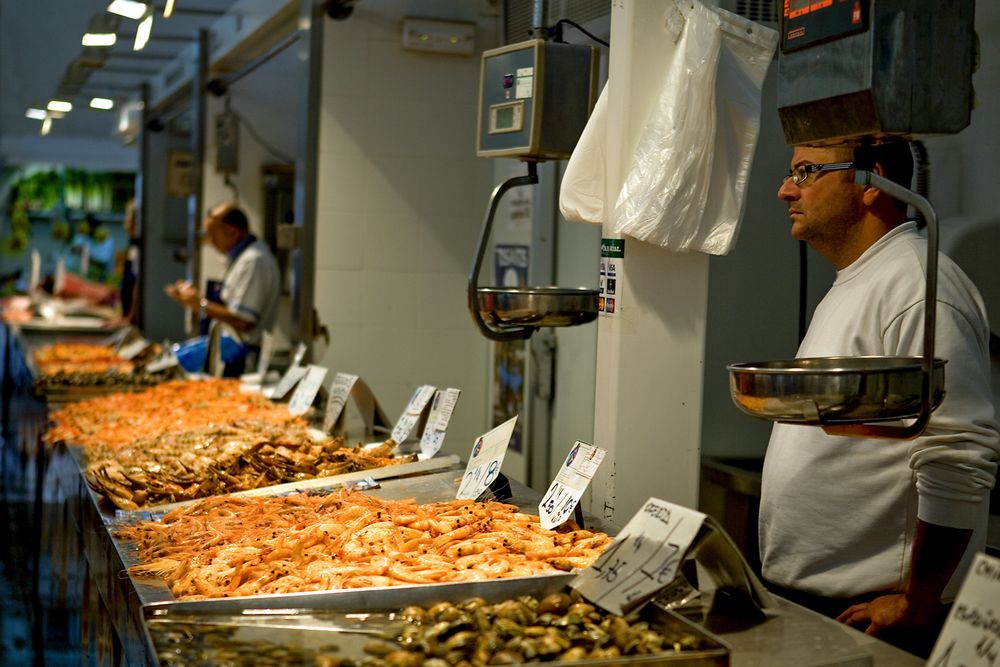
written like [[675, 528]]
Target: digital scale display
[[508, 117], [808, 22]]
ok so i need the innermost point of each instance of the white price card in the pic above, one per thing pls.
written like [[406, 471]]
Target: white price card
[[300, 354], [571, 481], [643, 559], [411, 415], [133, 349], [35, 276], [340, 391], [485, 461], [59, 281], [442, 407], [306, 392], [266, 353], [971, 634], [115, 339], [165, 361], [288, 380]]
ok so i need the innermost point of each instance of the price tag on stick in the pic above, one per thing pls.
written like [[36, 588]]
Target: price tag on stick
[[133, 349], [291, 376], [571, 481], [306, 392], [411, 415], [266, 353], [340, 391], [437, 423], [971, 633], [288, 380], [643, 559], [485, 460]]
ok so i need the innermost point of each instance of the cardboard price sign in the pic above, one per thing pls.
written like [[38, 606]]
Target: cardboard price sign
[[643, 559], [437, 422], [971, 634], [340, 391], [411, 415], [306, 392], [485, 460], [571, 481]]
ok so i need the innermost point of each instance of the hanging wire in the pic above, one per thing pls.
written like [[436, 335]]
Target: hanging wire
[[557, 31], [260, 140]]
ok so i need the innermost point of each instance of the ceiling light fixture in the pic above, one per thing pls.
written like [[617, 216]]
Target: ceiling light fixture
[[36, 114], [168, 9], [59, 105], [143, 31], [46, 127], [102, 103], [131, 9], [98, 39]]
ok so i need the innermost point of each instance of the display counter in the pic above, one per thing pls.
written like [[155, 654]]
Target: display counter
[[86, 568]]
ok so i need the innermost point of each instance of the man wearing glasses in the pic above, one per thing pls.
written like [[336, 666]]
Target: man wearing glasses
[[879, 533], [250, 288]]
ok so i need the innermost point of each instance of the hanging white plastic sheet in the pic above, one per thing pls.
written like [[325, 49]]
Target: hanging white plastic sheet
[[581, 195], [686, 183]]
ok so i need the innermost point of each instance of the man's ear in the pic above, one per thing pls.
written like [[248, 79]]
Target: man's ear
[[871, 193]]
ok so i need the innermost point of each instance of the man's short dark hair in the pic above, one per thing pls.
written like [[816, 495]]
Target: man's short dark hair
[[234, 217], [895, 158]]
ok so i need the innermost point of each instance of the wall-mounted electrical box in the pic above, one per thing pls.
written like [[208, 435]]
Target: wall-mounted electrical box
[[535, 98]]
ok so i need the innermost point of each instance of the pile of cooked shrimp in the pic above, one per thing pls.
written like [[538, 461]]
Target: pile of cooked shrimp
[[235, 546]]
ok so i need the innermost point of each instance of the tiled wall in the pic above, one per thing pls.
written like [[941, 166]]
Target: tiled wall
[[400, 205]]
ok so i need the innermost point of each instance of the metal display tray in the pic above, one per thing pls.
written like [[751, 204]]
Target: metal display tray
[[155, 594], [292, 635], [424, 466]]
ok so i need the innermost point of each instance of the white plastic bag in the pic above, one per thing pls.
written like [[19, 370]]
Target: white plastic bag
[[686, 184], [581, 193]]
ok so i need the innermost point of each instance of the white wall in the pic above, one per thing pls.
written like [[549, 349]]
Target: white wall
[[400, 204], [267, 101]]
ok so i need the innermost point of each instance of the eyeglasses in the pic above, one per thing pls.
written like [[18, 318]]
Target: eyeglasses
[[800, 173]]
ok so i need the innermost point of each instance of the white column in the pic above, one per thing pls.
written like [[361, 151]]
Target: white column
[[650, 354]]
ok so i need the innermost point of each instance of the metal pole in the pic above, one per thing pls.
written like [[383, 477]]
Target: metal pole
[[306, 168], [142, 210], [538, 12], [196, 198]]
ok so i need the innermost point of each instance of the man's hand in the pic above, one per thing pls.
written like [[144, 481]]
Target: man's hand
[[184, 293], [888, 611]]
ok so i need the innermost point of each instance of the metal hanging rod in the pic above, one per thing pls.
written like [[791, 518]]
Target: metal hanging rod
[[220, 84]]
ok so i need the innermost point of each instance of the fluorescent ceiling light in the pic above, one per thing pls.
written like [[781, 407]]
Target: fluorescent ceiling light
[[59, 105], [46, 127], [98, 39], [143, 31], [168, 9], [128, 8], [102, 103], [37, 114]]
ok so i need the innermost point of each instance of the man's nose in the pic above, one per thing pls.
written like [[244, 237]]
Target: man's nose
[[788, 190]]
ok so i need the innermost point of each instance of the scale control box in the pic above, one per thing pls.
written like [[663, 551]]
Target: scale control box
[[535, 98], [875, 68]]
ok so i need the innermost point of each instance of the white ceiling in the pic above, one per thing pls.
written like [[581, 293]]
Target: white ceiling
[[40, 38]]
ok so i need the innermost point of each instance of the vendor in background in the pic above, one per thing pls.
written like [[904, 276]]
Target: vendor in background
[[248, 297], [128, 259], [880, 533]]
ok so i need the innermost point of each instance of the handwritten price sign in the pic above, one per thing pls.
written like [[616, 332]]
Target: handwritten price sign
[[643, 559], [442, 407], [485, 460], [971, 634], [411, 415], [571, 481]]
